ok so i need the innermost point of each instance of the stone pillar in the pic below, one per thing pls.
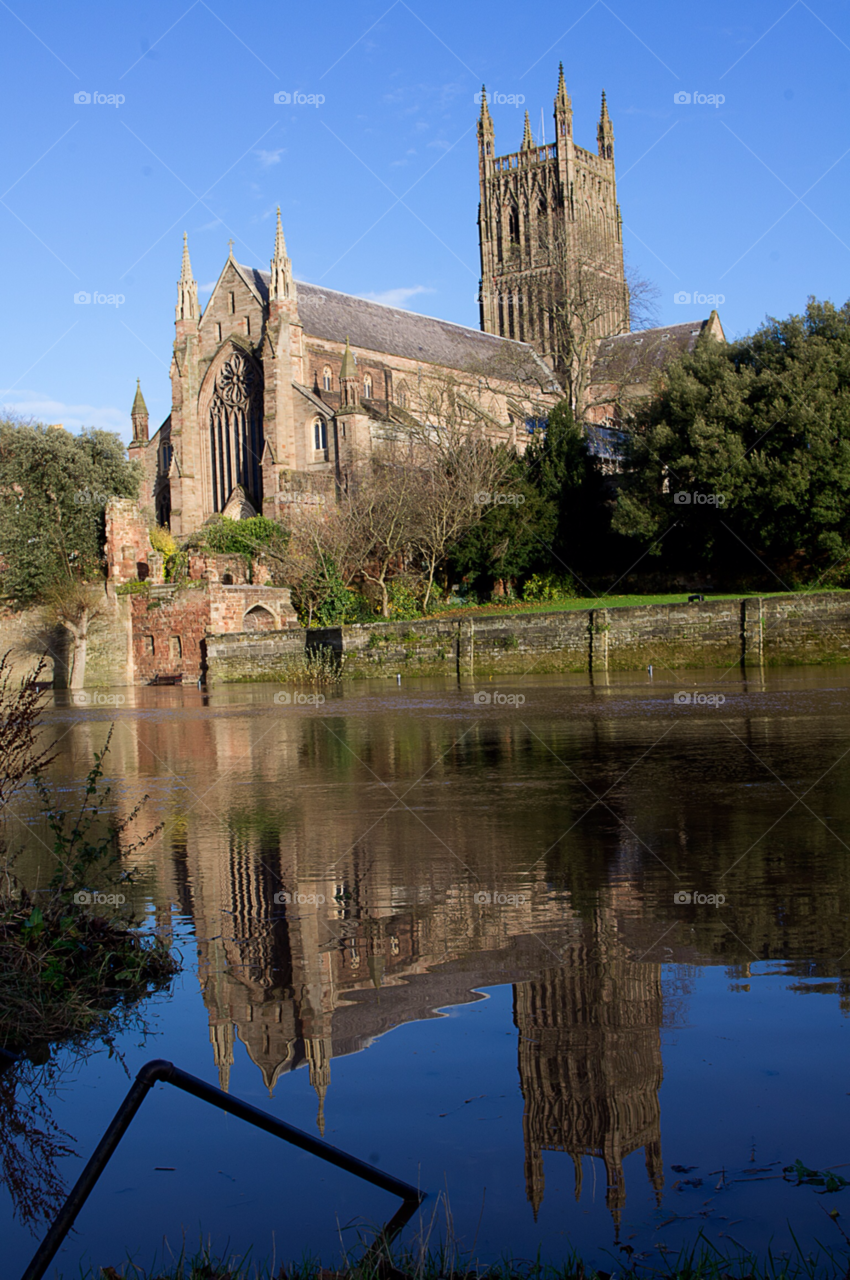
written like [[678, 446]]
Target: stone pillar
[[598, 627], [752, 632], [465, 648]]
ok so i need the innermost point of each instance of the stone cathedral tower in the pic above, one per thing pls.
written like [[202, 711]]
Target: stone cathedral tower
[[550, 234]]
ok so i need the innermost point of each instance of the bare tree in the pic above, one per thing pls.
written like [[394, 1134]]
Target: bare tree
[[79, 607]]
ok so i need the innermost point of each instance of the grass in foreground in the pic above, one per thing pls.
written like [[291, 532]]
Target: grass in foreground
[[701, 1262]]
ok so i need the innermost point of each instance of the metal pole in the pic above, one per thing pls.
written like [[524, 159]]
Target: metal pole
[[160, 1070]]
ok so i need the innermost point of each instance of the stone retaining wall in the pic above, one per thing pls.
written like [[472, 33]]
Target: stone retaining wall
[[713, 633]]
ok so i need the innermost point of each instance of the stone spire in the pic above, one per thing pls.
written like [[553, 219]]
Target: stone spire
[[605, 132], [139, 415], [281, 284], [187, 289], [563, 110], [486, 135], [348, 378], [527, 140]]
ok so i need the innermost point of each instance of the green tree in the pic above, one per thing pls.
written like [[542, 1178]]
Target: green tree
[[745, 454], [53, 492]]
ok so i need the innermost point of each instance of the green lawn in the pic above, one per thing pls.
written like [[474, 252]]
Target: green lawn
[[606, 602]]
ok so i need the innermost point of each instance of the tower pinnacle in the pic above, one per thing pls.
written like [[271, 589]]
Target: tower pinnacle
[[187, 288], [605, 132], [281, 285], [139, 415], [527, 140]]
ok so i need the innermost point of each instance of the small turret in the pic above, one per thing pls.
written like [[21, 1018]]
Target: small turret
[[139, 416], [187, 289], [348, 379], [563, 110], [527, 140], [281, 287], [605, 132]]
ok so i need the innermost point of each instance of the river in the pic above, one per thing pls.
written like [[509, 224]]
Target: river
[[572, 956]]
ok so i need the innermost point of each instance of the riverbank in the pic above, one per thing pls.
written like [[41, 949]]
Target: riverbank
[[724, 633]]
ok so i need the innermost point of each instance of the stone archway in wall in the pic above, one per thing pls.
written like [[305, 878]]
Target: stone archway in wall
[[232, 430], [259, 619]]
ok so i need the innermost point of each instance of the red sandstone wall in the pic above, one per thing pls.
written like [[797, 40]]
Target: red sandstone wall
[[168, 634]]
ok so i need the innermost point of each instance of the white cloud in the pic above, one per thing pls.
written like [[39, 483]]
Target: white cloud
[[206, 288], [397, 297], [270, 157], [43, 408]]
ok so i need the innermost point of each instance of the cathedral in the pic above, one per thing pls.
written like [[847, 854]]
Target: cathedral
[[279, 385]]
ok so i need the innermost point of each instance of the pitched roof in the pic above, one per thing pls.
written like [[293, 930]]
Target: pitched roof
[[632, 358], [371, 326]]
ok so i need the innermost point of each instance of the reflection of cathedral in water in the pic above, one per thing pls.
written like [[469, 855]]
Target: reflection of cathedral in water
[[590, 1064]]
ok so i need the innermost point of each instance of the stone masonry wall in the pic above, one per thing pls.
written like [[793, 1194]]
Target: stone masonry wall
[[720, 633], [169, 627]]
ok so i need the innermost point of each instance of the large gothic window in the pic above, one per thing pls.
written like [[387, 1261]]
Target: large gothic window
[[236, 431]]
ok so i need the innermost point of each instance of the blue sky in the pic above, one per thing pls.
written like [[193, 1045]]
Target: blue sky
[[378, 182]]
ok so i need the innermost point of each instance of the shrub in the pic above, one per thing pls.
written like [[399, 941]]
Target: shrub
[[545, 587]]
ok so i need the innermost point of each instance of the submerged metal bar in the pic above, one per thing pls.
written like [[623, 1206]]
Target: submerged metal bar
[[161, 1071]]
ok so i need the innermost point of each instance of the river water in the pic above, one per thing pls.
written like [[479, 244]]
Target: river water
[[572, 957]]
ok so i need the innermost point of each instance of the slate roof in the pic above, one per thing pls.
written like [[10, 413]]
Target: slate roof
[[371, 326], [632, 358]]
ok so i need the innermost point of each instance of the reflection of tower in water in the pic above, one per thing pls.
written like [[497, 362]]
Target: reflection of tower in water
[[590, 1064]]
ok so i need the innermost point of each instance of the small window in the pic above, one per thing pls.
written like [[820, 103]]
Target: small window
[[248, 325], [149, 644], [218, 332], [367, 387], [233, 304], [327, 378], [320, 435], [402, 396], [175, 648]]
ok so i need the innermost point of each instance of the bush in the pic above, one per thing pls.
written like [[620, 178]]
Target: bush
[[162, 541], [403, 601], [546, 587]]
